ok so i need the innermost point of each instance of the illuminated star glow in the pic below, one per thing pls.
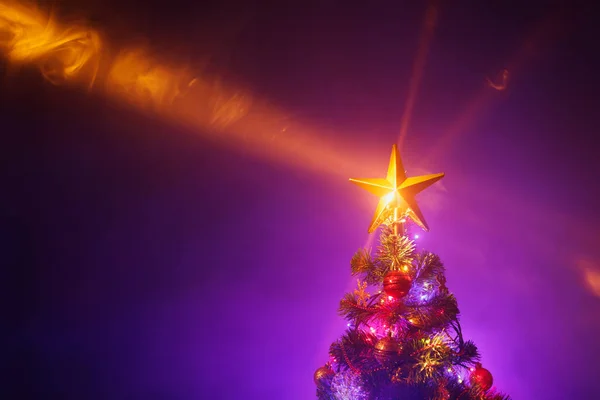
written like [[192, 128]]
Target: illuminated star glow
[[397, 191]]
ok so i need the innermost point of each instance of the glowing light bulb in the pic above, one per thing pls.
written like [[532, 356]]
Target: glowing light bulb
[[348, 324], [449, 369], [416, 236], [372, 330], [390, 298], [388, 198]]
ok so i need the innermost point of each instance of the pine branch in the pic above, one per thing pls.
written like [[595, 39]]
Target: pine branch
[[354, 350], [361, 262], [468, 354], [426, 359], [437, 313], [475, 393], [394, 249], [393, 314], [493, 395], [352, 311], [371, 271], [428, 264], [324, 393]]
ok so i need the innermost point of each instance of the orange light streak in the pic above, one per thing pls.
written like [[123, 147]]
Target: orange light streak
[[137, 78], [76, 54], [29, 36]]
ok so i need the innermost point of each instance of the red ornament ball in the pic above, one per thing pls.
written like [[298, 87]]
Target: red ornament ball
[[387, 351], [322, 374], [481, 378], [396, 284]]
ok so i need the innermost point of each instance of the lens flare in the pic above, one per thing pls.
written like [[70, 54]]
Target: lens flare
[[430, 22], [591, 275], [592, 278], [547, 29]]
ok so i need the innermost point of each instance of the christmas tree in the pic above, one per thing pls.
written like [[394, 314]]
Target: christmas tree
[[404, 339]]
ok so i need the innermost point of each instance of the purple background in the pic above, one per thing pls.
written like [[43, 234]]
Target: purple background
[[144, 262]]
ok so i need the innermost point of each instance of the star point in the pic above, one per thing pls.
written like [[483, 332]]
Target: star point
[[397, 191]]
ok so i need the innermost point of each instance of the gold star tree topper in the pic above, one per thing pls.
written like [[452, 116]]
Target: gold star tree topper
[[397, 193]]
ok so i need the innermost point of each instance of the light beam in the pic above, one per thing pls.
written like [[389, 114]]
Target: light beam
[[77, 55]]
